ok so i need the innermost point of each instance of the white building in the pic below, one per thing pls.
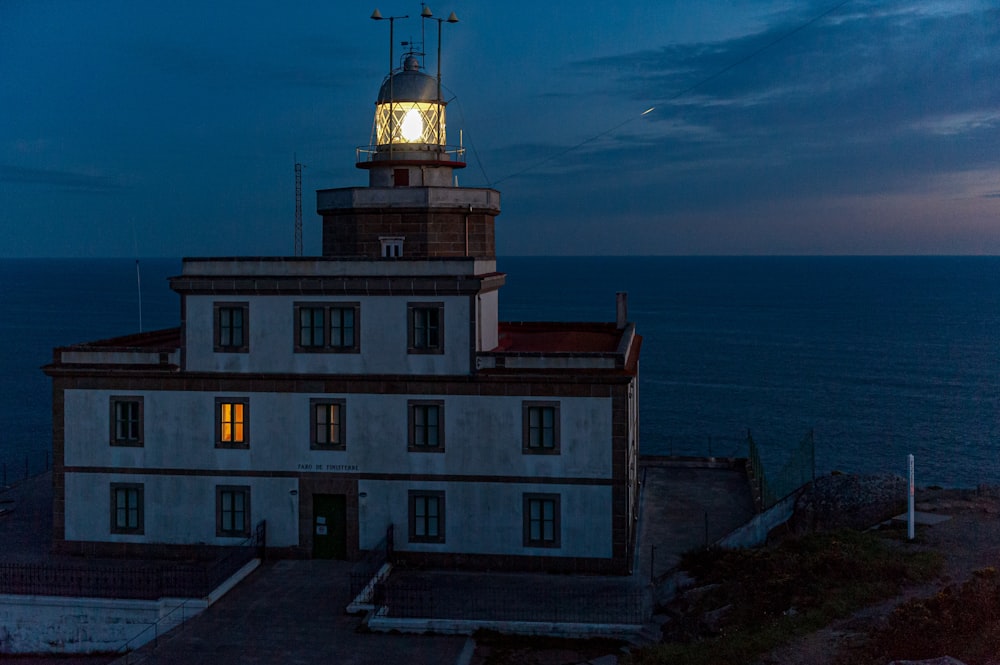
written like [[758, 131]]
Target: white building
[[335, 396]]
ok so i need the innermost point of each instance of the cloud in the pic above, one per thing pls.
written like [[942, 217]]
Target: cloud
[[854, 99], [20, 175], [959, 123]]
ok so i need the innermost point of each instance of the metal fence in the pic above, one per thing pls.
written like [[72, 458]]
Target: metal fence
[[143, 580], [798, 470], [701, 446], [364, 570], [490, 600]]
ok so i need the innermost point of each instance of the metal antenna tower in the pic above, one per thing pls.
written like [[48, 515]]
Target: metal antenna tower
[[298, 208]]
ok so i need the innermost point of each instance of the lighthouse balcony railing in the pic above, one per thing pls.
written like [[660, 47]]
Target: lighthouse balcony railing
[[444, 153]]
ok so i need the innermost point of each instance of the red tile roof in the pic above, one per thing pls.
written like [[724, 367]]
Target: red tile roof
[[169, 338], [558, 337]]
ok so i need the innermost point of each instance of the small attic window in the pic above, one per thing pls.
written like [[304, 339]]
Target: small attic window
[[392, 248]]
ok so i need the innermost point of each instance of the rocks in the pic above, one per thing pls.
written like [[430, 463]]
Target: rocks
[[848, 501], [713, 622]]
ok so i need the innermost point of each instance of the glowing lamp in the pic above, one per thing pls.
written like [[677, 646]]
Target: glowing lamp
[[408, 110], [412, 127]]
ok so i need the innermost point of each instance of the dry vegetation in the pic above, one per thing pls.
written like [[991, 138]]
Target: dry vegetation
[[751, 601]]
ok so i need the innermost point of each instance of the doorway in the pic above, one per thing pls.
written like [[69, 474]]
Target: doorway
[[329, 526]]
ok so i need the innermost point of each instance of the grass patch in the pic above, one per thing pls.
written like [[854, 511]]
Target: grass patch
[[775, 594]]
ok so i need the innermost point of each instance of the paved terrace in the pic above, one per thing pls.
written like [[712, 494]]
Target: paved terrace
[[292, 611]]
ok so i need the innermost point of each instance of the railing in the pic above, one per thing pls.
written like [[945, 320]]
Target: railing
[[105, 581], [799, 469], [257, 543], [702, 446], [368, 153], [512, 601], [13, 470], [364, 570], [141, 580]]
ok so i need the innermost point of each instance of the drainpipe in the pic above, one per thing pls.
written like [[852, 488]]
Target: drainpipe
[[467, 230]]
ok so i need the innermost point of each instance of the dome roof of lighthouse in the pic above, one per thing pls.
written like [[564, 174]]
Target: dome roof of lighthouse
[[409, 85]]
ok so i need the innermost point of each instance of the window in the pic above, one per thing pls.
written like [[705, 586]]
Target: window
[[392, 247], [126, 508], [232, 424], [426, 426], [311, 327], [231, 327], [426, 327], [327, 424], [342, 327], [232, 510], [541, 520], [126, 421], [324, 327], [540, 428], [426, 516]]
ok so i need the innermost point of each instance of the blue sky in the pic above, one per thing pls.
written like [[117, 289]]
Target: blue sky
[[171, 129]]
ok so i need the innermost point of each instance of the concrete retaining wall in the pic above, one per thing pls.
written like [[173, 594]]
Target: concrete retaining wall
[[380, 623], [754, 532]]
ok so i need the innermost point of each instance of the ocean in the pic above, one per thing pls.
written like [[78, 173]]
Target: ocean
[[879, 357]]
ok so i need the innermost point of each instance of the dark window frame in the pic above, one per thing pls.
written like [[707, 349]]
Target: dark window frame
[[332, 340], [219, 440], [527, 446], [541, 541], [415, 311], [223, 342], [300, 328], [117, 401], [423, 406], [414, 499], [140, 514], [339, 345], [315, 442], [233, 490]]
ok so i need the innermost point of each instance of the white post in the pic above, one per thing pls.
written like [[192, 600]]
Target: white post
[[910, 515]]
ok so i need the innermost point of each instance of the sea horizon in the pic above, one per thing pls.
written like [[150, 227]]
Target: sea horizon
[[880, 356]]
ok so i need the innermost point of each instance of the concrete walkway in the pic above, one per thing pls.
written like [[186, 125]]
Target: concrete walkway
[[684, 508], [291, 612]]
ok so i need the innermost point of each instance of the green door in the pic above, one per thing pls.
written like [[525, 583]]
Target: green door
[[329, 526]]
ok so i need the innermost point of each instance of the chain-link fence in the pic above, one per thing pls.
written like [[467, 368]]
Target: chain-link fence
[[798, 470]]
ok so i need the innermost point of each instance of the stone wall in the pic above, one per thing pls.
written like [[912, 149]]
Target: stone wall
[[63, 625], [848, 501]]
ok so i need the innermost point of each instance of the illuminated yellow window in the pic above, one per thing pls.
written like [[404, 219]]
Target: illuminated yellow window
[[412, 123], [231, 422]]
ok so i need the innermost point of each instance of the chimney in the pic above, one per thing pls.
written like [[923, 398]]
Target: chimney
[[621, 302]]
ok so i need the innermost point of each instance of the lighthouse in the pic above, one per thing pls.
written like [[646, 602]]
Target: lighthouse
[[368, 395]]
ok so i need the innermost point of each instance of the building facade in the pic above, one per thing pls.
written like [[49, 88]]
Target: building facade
[[372, 387]]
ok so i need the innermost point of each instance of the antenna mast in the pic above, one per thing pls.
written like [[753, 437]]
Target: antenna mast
[[298, 208]]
